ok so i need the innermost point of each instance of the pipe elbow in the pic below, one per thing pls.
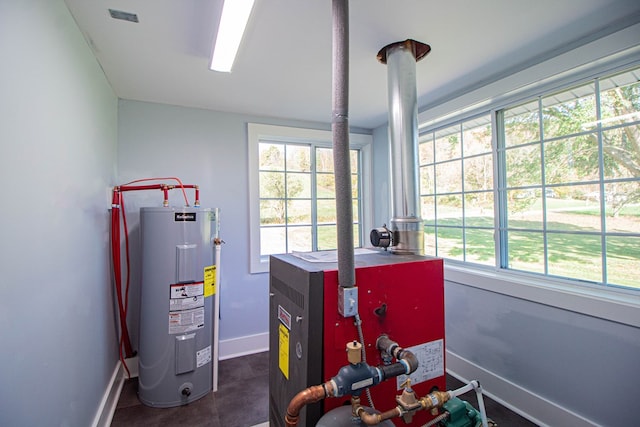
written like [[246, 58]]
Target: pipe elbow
[[375, 419], [367, 418], [303, 398], [386, 344], [411, 360]]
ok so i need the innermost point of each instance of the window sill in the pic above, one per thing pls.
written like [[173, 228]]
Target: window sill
[[616, 305]]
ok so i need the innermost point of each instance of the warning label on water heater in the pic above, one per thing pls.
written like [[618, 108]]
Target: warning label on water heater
[[186, 290], [186, 320], [179, 304], [186, 307]]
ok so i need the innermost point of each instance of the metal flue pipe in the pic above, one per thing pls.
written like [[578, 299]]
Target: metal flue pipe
[[340, 132], [406, 224]]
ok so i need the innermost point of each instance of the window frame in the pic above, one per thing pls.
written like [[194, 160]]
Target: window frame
[[502, 227], [611, 303], [464, 158], [543, 142], [257, 133]]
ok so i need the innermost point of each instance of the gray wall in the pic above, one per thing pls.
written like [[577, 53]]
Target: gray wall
[[579, 362], [58, 137], [210, 149], [381, 170]]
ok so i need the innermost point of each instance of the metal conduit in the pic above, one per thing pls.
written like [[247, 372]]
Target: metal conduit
[[340, 131]]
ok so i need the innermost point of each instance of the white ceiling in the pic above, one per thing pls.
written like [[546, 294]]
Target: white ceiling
[[284, 65]]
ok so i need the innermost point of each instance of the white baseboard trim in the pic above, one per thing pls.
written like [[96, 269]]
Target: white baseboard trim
[[513, 396], [107, 407], [243, 346]]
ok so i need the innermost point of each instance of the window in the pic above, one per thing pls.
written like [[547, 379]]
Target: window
[[456, 186], [567, 185], [292, 181]]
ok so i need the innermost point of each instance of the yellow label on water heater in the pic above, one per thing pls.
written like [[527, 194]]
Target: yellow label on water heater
[[283, 350], [209, 281]]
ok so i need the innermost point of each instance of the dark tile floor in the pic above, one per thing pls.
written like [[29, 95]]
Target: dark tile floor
[[242, 400]]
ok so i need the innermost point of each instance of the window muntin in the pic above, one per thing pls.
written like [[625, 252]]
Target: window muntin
[[304, 177], [456, 190], [327, 231], [285, 197], [568, 185], [297, 197], [583, 188]]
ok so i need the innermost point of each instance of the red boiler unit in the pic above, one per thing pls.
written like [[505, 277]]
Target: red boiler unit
[[401, 296]]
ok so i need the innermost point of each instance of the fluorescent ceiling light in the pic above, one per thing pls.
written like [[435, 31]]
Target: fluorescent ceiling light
[[235, 14]]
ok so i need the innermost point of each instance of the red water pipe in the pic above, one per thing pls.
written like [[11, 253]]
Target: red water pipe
[[165, 190], [195, 187], [180, 185], [125, 187], [117, 273]]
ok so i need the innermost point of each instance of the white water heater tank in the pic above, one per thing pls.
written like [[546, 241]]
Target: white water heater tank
[[176, 304]]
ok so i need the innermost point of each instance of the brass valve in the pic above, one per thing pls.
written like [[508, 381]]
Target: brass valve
[[434, 400], [408, 401]]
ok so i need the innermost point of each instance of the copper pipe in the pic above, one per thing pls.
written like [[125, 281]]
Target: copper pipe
[[374, 419], [433, 400], [355, 405], [303, 398]]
